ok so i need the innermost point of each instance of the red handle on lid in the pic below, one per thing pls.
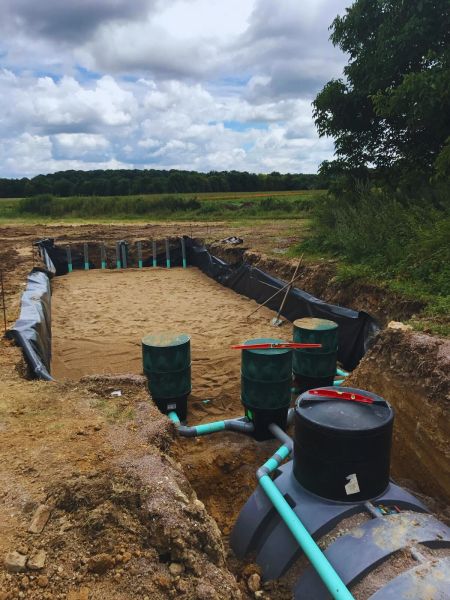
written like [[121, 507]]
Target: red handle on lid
[[274, 346], [341, 395]]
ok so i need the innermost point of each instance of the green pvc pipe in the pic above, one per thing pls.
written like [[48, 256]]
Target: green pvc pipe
[[325, 570], [341, 372], [204, 429], [69, 267], [140, 264], [103, 264], [210, 427], [174, 417]]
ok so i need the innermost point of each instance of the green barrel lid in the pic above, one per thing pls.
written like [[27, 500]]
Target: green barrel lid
[[165, 339], [314, 324]]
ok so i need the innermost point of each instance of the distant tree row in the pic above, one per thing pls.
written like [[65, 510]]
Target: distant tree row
[[125, 182]]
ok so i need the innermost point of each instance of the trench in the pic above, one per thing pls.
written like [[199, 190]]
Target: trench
[[98, 320]]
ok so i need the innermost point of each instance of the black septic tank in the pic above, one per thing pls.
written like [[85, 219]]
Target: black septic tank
[[342, 443]]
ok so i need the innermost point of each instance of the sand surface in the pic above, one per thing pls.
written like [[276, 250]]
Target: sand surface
[[99, 319]]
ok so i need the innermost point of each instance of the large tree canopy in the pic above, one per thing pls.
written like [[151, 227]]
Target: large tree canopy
[[392, 108]]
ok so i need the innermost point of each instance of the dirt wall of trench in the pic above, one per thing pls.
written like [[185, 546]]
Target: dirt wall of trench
[[410, 370]]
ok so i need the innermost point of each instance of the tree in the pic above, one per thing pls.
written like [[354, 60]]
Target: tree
[[392, 109]]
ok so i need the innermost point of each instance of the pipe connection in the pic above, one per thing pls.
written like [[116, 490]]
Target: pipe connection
[[242, 425], [325, 570]]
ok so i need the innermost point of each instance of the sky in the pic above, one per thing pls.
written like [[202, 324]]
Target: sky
[[164, 84]]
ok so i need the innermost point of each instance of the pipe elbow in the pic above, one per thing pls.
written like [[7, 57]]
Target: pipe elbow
[[185, 431], [240, 426]]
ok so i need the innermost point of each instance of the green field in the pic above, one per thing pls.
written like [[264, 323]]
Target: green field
[[235, 207]]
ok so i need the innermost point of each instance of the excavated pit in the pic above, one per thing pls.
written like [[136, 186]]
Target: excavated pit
[[98, 320]]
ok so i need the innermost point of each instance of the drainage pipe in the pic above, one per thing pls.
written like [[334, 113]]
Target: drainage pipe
[[281, 435], [69, 259], [238, 425], [325, 570], [290, 417], [341, 372]]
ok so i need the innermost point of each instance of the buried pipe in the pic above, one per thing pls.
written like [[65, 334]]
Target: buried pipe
[[237, 425], [69, 259], [86, 257], [183, 252], [139, 253], [167, 254], [342, 372], [325, 570], [103, 255], [154, 259]]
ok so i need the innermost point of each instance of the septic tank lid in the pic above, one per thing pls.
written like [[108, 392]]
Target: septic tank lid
[[165, 339], [345, 408], [269, 351], [314, 324]]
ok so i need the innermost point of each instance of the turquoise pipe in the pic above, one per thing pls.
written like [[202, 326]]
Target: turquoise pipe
[[341, 372], [174, 417], [140, 264], [103, 264], [118, 264], [338, 381], [319, 561], [237, 425], [210, 427], [328, 575], [86, 266], [69, 267], [204, 429]]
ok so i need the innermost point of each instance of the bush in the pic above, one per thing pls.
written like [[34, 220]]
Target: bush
[[393, 235]]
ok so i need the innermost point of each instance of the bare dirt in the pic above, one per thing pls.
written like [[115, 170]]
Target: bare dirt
[[411, 370], [137, 512]]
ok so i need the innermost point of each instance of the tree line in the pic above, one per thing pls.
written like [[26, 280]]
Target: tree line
[[124, 182]]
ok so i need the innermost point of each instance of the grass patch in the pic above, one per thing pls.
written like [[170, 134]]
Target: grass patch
[[385, 239], [114, 410], [206, 207]]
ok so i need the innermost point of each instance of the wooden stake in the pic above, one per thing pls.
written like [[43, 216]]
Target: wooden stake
[[273, 296], [3, 301], [276, 320]]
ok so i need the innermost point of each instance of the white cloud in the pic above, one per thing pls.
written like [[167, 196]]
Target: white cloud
[[195, 84]]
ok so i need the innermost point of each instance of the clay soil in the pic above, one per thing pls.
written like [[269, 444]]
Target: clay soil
[[137, 512]]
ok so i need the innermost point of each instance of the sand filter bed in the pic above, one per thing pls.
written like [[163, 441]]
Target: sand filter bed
[[98, 320], [100, 317]]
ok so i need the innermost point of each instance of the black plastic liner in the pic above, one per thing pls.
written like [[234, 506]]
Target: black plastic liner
[[32, 330], [55, 257], [356, 328]]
